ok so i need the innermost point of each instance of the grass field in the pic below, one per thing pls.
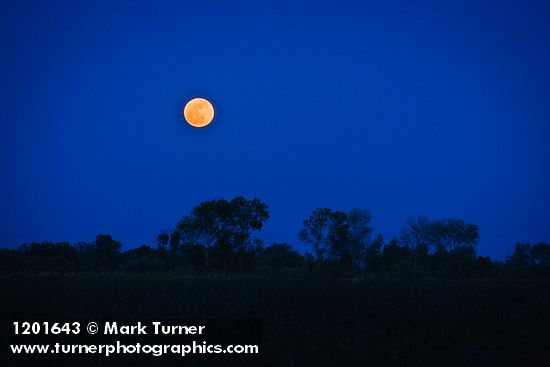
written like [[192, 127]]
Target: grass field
[[315, 321]]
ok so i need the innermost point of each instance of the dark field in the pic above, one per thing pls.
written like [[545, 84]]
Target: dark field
[[310, 320]]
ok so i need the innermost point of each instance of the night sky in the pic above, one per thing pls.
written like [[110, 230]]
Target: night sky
[[399, 107]]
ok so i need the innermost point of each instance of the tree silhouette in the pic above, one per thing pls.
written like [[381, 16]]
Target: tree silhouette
[[162, 240], [219, 235], [540, 254], [373, 254], [359, 234], [106, 250], [280, 255], [175, 239], [246, 216], [228, 225], [340, 245], [416, 236], [316, 232], [338, 236], [448, 234], [395, 258], [417, 232]]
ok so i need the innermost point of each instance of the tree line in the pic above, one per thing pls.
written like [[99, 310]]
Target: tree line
[[219, 236]]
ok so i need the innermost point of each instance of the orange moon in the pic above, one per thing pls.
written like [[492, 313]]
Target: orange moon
[[198, 112]]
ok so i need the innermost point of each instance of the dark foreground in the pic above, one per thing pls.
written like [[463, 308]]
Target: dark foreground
[[307, 321]]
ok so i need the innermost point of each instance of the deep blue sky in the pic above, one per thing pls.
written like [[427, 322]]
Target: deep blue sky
[[400, 107]]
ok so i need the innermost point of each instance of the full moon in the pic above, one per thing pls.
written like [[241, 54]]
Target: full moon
[[198, 112]]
